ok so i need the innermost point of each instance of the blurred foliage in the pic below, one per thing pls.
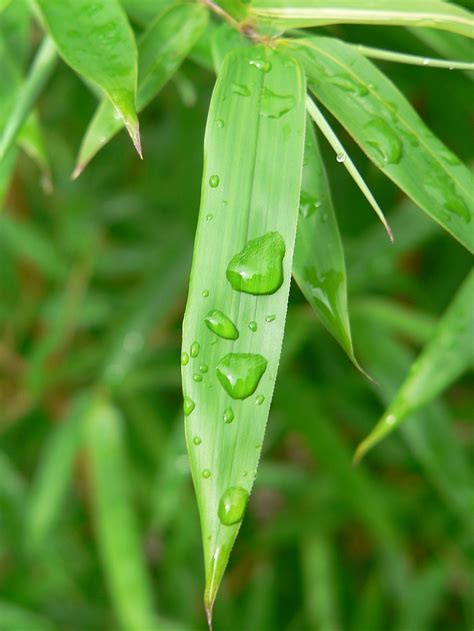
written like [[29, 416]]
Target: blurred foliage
[[92, 290]]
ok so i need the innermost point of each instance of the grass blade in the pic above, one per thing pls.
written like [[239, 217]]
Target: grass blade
[[239, 284], [390, 132], [416, 60], [161, 51], [96, 40], [342, 157], [449, 353], [318, 264], [117, 532], [426, 13]]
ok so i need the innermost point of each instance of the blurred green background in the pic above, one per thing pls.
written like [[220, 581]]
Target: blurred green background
[[92, 290]]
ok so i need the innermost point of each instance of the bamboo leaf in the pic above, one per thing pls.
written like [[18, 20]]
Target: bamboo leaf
[[117, 532], [426, 13], [318, 263], [96, 40], [235, 315], [4, 4], [161, 50], [390, 132], [449, 353]]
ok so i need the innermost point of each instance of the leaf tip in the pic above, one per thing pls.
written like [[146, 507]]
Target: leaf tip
[[78, 169]]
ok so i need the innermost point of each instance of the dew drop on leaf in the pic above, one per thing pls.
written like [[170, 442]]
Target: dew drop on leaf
[[240, 373], [195, 348], [205, 293], [270, 318], [346, 83], [275, 105], [259, 399], [232, 505], [206, 473], [214, 181], [220, 123], [221, 325], [203, 368], [197, 377], [384, 140], [341, 157], [188, 406], [197, 440], [253, 326], [240, 89], [184, 359], [228, 415], [258, 269], [261, 64], [308, 204]]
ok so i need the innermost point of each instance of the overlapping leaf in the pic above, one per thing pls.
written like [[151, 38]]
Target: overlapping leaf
[[391, 133], [235, 315], [161, 51]]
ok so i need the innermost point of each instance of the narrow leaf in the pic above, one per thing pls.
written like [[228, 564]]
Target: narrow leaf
[[449, 353], [415, 60], [390, 132], [161, 51], [318, 263], [96, 40], [235, 315], [427, 13]]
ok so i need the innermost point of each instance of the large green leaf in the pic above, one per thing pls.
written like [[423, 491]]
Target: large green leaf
[[428, 13], [318, 263], [96, 40], [448, 354], [161, 51], [391, 133], [235, 315]]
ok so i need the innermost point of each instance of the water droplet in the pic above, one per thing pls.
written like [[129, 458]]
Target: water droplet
[[203, 368], [206, 473], [426, 61], [270, 318], [195, 348], [184, 358], [258, 445], [325, 288], [275, 105], [232, 505], [197, 377], [390, 420], [346, 83], [253, 326], [341, 157], [259, 399], [209, 217], [258, 268], [214, 181], [443, 189], [220, 123], [384, 140], [261, 64], [308, 205], [188, 406], [228, 415], [205, 293], [197, 440], [240, 89], [221, 325], [240, 373]]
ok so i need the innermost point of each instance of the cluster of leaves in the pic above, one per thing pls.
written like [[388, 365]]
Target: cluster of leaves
[[84, 350]]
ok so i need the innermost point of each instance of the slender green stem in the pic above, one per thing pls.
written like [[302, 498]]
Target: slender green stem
[[416, 60]]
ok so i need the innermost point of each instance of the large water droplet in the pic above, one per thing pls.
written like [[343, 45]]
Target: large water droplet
[[325, 287], [253, 326], [184, 358], [240, 373], [214, 181], [228, 415], [259, 399], [346, 83], [232, 505], [195, 348], [197, 377], [221, 325], [443, 189], [341, 157], [206, 473], [188, 406], [203, 368], [197, 440], [384, 140], [240, 89], [258, 269], [275, 105]]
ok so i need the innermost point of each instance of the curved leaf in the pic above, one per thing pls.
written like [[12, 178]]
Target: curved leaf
[[232, 337], [162, 49], [427, 13], [96, 40], [390, 132]]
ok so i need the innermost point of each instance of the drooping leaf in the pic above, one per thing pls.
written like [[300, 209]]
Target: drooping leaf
[[162, 49], [427, 13], [96, 40], [318, 263], [448, 354], [390, 132], [241, 274]]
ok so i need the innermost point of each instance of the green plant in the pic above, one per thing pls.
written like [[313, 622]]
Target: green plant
[[266, 214]]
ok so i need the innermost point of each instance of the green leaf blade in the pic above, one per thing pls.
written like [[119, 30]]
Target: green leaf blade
[[161, 50], [249, 205], [388, 129]]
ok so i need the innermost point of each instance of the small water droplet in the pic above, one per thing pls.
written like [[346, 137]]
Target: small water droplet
[[245, 474], [206, 473], [214, 181], [426, 61], [258, 445], [259, 399], [232, 505], [184, 358], [253, 326], [270, 318], [209, 217], [346, 83], [197, 377], [261, 64], [308, 204], [275, 105], [197, 440], [228, 415], [205, 293], [221, 325], [188, 406], [324, 217], [220, 123], [240, 89], [195, 348], [341, 157], [390, 420], [258, 268], [240, 373], [384, 140], [203, 368]]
